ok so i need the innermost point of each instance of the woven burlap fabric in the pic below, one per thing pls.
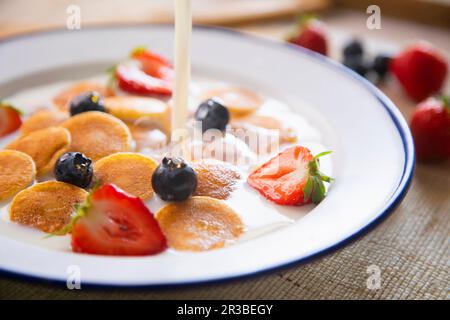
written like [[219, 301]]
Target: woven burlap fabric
[[411, 248]]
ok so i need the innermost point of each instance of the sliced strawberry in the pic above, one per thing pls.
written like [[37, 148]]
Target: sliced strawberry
[[153, 64], [111, 222], [154, 76], [291, 178], [133, 80], [421, 70], [10, 119]]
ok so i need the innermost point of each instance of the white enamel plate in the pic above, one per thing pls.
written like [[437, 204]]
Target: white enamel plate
[[372, 161]]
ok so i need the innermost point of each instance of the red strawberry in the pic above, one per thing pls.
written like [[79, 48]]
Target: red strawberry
[[421, 70], [153, 64], [311, 35], [10, 119], [154, 76], [291, 178], [111, 222], [133, 80], [430, 126]]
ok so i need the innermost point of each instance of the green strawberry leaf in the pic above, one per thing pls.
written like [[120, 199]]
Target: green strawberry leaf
[[308, 189], [446, 101], [138, 50], [318, 191], [112, 80], [80, 211], [316, 180], [8, 105]]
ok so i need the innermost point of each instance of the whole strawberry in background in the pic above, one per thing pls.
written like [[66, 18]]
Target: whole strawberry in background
[[10, 119], [310, 34], [421, 69], [430, 127]]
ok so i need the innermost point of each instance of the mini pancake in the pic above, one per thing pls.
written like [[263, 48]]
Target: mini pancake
[[46, 206], [216, 179], [43, 119], [133, 109], [62, 100], [286, 134], [97, 134], [199, 224], [17, 172], [132, 172], [239, 101], [45, 146]]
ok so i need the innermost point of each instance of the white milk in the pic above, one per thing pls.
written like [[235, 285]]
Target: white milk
[[183, 30]]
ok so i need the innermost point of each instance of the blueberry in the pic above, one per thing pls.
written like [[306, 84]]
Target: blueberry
[[213, 115], [74, 168], [90, 101], [353, 48], [381, 65], [174, 180], [357, 64]]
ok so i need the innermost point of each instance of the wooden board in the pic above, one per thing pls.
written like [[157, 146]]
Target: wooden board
[[22, 15]]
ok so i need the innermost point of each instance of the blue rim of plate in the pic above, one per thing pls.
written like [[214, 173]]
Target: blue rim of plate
[[389, 106]]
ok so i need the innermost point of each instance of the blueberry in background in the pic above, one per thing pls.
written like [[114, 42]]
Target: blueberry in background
[[354, 48], [381, 65], [90, 101], [213, 115], [357, 64]]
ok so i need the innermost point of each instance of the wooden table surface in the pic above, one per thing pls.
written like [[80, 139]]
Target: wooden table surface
[[411, 247]]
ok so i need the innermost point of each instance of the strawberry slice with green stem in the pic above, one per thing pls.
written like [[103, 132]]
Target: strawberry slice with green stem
[[292, 177], [153, 64], [152, 76], [111, 222], [10, 119], [133, 80]]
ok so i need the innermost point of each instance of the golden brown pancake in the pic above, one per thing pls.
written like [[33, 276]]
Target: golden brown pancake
[[239, 101], [199, 224], [17, 172], [46, 206], [216, 179], [286, 134], [62, 100], [132, 172], [45, 146], [41, 120], [135, 110], [97, 134]]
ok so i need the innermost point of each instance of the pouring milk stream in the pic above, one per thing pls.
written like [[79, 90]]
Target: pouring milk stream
[[183, 30]]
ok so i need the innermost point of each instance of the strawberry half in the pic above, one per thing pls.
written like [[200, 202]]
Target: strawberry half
[[10, 119], [421, 70], [291, 178], [111, 222]]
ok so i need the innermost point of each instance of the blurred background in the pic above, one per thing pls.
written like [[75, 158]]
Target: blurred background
[[402, 21]]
